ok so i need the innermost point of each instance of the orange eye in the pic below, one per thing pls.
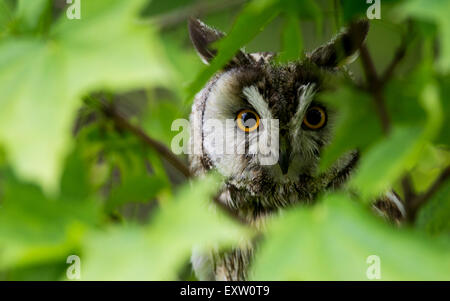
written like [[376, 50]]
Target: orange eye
[[247, 120], [315, 118]]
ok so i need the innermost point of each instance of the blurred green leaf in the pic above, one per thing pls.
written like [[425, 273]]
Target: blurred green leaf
[[357, 126], [6, 15], [39, 272], [75, 183], [444, 89], [137, 189], [292, 39], [434, 217], [156, 251], [251, 20], [436, 11], [36, 229], [73, 59], [158, 120], [31, 12], [386, 161], [333, 240]]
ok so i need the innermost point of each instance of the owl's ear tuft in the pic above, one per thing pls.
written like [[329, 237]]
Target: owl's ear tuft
[[202, 36], [343, 47]]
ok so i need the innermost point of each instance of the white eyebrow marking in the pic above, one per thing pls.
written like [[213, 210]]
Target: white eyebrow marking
[[306, 96], [257, 101]]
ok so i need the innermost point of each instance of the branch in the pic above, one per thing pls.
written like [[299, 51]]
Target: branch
[[419, 201], [164, 151], [408, 189], [376, 88], [399, 55]]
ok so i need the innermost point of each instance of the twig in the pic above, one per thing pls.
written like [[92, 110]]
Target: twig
[[399, 55], [165, 152], [415, 204], [200, 8], [376, 88], [408, 189]]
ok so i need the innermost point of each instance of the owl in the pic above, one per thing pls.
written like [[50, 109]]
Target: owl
[[251, 88]]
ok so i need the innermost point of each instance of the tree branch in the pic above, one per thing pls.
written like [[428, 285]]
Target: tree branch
[[398, 57], [120, 121], [408, 189], [376, 88], [163, 150], [416, 203]]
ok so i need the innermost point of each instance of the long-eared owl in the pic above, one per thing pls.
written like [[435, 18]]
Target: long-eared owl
[[253, 87]]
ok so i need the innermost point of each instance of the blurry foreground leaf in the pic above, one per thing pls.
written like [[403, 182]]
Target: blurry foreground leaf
[[291, 39], [250, 22], [434, 217], [156, 251], [36, 229], [334, 240], [42, 80], [357, 126], [436, 11]]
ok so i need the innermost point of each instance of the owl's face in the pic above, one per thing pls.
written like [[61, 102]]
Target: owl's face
[[255, 99]]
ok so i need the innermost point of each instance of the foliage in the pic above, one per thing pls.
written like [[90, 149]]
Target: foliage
[[75, 180]]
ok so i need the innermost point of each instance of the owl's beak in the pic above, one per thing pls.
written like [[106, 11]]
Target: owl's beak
[[284, 154]]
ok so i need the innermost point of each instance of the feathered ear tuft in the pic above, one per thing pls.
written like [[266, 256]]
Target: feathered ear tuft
[[343, 47], [203, 36]]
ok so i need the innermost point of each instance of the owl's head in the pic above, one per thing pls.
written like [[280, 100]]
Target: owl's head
[[252, 90]]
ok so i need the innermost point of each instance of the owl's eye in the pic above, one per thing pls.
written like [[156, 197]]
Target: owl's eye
[[247, 120], [315, 118]]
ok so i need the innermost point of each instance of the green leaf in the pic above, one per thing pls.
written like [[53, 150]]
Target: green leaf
[[136, 189], [34, 229], [444, 89], [6, 16], [75, 183], [36, 116], [30, 12], [434, 217], [291, 39], [156, 251], [436, 11], [333, 240], [356, 126], [386, 161], [353, 9], [250, 22]]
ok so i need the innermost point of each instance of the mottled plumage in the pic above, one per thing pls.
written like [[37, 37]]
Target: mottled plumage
[[285, 92]]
